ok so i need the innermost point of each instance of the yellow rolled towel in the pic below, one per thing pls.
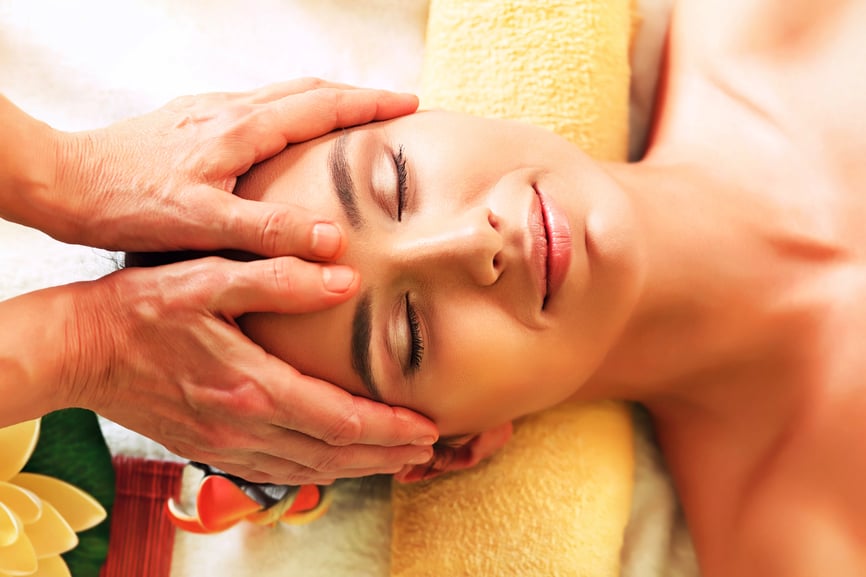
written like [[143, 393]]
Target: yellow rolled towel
[[555, 500], [561, 64]]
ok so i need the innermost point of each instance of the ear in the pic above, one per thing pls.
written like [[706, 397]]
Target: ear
[[455, 457]]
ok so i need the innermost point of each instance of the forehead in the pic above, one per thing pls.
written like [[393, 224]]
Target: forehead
[[299, 175]]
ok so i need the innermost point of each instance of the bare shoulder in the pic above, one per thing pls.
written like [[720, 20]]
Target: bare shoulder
[[774, 90], [776, 486], [720, 28], [804, 509]]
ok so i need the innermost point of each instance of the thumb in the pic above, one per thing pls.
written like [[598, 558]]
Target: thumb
[[266, 228], [284, 285]]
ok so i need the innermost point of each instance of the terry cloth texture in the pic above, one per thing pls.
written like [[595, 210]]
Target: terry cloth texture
[[556, 500], [559, 64]]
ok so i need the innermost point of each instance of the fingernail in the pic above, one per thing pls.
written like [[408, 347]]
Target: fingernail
[[326, 240], [424, 441], [420, 458], [337, 279]]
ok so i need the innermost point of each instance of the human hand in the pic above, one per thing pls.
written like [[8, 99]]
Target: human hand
[[162, 181], [157, 350]]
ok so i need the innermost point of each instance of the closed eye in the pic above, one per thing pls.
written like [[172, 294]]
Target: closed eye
[[416, 340], [400, 165]]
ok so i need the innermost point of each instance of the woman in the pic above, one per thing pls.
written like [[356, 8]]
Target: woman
[[720, 281]]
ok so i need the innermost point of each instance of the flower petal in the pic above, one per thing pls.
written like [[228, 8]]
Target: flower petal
[[295, 517], [220, 503], [306, 499], [78, 508], [268, 517], [51, 534], [16, 445], [305, 517], [182, 520], [11, 526], [52, 567], [19, 558], [24, 503]]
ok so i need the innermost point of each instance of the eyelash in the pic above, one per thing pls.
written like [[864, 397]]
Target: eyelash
[[400, 163], [416, 353]]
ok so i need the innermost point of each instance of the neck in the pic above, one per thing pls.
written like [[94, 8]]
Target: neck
[[708, 309]]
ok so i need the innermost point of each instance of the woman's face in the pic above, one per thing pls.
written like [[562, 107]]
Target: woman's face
[[496, 265]]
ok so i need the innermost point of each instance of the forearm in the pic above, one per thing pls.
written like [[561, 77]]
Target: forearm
[[41, 355]]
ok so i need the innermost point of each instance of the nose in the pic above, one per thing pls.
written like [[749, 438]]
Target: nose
[[468, 244]]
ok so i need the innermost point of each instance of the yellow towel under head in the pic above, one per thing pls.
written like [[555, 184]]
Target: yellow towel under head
[[555, 500]]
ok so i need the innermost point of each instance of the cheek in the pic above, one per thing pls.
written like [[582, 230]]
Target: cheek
[[491, 371]]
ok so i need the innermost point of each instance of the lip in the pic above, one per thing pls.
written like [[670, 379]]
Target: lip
[[538, 254], [557, 244]]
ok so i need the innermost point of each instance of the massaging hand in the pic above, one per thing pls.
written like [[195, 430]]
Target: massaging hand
[[161, 181], [182, 373], [157, 350]]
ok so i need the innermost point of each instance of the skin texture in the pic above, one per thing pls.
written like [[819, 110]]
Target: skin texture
[[461, 252], [158, 350], [734, 303]]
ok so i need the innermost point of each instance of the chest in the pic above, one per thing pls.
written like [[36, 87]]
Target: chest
[[775, 486]]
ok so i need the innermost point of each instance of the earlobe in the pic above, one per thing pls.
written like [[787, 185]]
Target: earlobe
[[454, 458]]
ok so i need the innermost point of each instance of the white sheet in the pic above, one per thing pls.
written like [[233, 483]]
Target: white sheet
[[79, 65]]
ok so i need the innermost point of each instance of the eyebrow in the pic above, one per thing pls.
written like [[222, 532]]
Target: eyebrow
[[341, 178], [344, 188], [361, 331]]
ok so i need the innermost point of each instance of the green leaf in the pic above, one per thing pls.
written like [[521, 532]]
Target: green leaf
[[71, 448]]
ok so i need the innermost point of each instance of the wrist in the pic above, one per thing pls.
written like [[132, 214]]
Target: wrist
[[50, 356], [28, 161], [87, 362], [76, 171]]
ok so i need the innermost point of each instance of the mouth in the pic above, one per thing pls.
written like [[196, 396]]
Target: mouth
[[555, 250], [539, 254]]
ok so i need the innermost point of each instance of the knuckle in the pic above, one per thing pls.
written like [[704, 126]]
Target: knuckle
[[206, 278], [279, 274], [328, 461], [310, 83], [224, 440], [327, 102], [236, 116], [296, 477], [189, 451], [210, 167], [273, 230], [346, 431]]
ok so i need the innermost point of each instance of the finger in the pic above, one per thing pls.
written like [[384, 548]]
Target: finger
[[264, 228], [326, 412], [266, 468], [303, 116], [279, 90], [283, 285], [350, 460]]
